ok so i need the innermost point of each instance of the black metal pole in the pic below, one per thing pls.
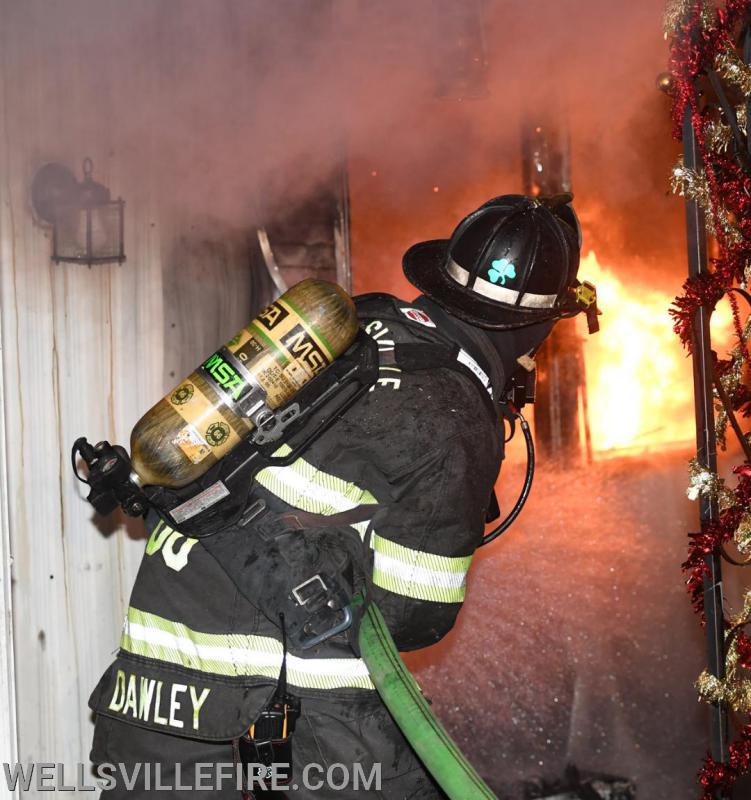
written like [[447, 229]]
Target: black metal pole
[[706, 445], [546, 170], [747, 60]]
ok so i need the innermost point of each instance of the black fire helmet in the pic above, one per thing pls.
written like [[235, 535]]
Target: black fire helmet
[[510, 263]]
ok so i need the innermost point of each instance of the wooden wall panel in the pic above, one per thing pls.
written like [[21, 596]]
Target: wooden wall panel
[[200, 269], [82, 355], [8, 734], [87, 351]]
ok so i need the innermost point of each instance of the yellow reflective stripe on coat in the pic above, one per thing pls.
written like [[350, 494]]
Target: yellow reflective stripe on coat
[[399, 569], [235, 655], [414, 573], [306, 487]]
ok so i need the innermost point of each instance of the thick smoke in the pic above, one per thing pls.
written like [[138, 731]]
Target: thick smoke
[[237, 109], [588, 66]]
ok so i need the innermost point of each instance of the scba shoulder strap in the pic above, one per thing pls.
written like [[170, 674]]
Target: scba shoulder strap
[[435, 348]]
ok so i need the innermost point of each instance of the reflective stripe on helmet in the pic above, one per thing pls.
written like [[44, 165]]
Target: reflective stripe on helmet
[[235, 655], [500, 293]]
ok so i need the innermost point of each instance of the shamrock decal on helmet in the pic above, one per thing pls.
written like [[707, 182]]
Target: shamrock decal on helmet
[[501, 269]]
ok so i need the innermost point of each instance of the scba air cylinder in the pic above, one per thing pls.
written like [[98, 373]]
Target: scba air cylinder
[[261, 368]]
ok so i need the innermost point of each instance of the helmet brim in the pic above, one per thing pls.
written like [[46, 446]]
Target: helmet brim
[[423, 264]]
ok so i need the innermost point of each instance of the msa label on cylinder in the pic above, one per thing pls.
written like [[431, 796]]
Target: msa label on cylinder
[[225, 376], [272, 315], [300, 345]]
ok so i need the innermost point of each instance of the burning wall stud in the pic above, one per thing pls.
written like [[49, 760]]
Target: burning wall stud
[[87, 225]]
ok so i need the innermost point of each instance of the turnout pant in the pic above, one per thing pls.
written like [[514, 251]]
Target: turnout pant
[[339, 750]]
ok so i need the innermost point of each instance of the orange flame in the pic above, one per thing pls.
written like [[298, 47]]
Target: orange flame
[[639, 381]]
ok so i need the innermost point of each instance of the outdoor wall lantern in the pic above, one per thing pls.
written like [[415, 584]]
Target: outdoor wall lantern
[[87, 225]]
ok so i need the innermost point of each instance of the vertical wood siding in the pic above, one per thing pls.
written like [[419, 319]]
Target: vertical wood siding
[[8, 733], [87, 351]]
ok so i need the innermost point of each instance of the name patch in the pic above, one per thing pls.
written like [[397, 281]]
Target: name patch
[[173, 705]]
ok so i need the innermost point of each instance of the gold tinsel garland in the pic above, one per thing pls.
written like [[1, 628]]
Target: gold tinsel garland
[[731, 66], [691, 184], [677, 11], [704, 483], [742, 535], [734, 689], [695, 186], [718, 136], [730, 383]]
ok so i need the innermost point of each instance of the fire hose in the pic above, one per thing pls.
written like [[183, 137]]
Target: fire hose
[[407, 704]]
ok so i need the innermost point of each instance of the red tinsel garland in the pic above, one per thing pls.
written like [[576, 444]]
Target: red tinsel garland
[[693, 52], [743, 644], [717, 776], [694, 49], [700, 546], [713, 536], [700, 291]]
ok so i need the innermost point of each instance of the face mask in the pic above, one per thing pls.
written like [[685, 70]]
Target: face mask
[[515, 342]]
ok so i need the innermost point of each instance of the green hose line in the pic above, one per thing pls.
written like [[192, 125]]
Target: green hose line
[[403, 698]]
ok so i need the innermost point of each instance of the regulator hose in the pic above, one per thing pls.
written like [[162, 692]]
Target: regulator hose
[[524, 494], [403, 698]]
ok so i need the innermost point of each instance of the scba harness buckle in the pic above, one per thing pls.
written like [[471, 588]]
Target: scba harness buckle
[[327, 604], [585, 298]]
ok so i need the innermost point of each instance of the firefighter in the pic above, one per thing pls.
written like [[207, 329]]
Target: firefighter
[[391, 501]]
